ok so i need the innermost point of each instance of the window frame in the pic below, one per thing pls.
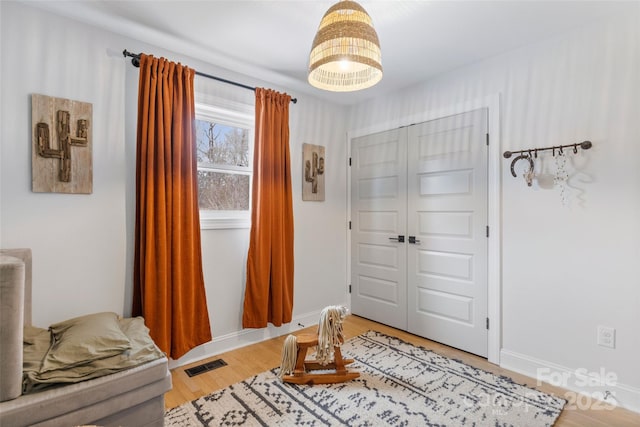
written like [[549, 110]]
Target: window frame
[[237, 115]]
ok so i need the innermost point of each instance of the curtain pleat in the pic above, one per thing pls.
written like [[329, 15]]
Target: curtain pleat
[[269, 286], [168, 280]]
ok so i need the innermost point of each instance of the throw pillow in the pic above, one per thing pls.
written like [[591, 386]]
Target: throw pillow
[[84, 339]]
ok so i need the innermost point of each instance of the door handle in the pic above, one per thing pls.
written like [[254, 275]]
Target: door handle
[[413, 240], [397, 239]]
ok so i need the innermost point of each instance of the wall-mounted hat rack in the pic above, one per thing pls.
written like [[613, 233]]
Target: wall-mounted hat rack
[[585, 145], [532, 153]]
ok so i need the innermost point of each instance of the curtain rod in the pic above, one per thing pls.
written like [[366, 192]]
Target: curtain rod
[[135, 60]]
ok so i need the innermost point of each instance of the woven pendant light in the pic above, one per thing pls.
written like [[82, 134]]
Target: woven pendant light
[[345, 55]]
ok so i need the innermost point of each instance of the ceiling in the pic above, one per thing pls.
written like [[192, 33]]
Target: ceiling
[[271, 40]]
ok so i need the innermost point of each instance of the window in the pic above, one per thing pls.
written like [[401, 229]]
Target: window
[[224, 144]]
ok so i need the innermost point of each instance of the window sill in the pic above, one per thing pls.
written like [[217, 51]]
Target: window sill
[[224, 223]]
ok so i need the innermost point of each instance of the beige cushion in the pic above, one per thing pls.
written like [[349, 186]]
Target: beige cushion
[[36, 347], [36, 344], [84, 339]]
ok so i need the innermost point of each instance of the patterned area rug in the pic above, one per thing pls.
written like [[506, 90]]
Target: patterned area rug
[[399, 385]]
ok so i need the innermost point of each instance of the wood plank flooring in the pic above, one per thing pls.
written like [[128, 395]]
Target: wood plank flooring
[[253, 359]]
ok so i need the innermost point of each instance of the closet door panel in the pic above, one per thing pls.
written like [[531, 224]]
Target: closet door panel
[[378, 217], [447, 214]]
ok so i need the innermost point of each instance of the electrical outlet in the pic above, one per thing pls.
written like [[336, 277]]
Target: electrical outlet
[[606, 336]]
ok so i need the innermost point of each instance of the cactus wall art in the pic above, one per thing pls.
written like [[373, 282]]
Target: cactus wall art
[[313, 172], [61, 155]]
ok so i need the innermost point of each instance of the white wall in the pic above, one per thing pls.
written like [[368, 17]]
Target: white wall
[[82, 244], [565, 270], [78, 241]]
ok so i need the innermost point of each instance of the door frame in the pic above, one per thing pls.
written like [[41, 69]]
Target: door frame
[[494, 206]]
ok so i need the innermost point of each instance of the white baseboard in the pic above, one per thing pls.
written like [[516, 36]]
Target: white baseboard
[[234, 340], [586, 389]]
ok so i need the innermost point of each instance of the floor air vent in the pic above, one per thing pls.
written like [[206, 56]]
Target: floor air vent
[[205, 367]]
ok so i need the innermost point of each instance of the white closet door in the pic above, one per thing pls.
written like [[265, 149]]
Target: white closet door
[[378, 217], [447, 216]]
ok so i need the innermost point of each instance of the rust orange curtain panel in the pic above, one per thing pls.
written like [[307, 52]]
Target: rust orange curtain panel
[[168, 280], [269, 289]]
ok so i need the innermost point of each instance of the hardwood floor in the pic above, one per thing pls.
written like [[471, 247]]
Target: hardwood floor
[[253, 359]]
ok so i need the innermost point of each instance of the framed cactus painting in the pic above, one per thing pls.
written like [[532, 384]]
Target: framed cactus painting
[[313, 172]]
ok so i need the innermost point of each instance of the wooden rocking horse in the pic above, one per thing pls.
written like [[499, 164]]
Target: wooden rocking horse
[[296, 369]]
